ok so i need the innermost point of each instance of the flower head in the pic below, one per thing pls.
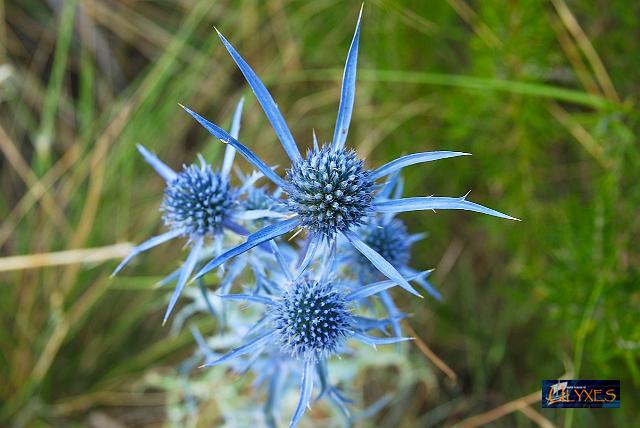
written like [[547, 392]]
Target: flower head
[[198, 204], [330, 191], [389, 239], [197, 201], [311, 319], [308, 320]]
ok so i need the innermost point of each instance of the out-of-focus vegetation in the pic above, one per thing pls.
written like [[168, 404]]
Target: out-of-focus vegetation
[[543, 93]]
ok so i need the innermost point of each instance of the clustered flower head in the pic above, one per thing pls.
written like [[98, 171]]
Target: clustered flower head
[[316, 298], [330, 191], [197, 201], [311, 319]]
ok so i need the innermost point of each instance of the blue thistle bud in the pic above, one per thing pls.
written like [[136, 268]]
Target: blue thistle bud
[[311, 319], [259, 199], [330, 190], [389, 239], [197, 201]]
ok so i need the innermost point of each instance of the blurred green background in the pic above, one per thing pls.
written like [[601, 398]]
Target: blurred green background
[[543, 93]]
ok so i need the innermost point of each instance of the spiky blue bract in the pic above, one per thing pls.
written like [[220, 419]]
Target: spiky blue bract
[[412, 159], [375, 288], [249, 298], [312, 319], [185, 273], [282, 261], [197, 201], [380, 262], [348, 92], [308, 251], [373, 341], [266, 101], [146, 245], [306, 387], [161, 168], [263, 235], [230, 151], [225, 137], [330, 191], [254, 345], [436, 203]]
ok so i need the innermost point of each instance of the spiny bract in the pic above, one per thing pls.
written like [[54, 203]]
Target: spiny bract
[[330, 190], [312, 319], [197, 201]]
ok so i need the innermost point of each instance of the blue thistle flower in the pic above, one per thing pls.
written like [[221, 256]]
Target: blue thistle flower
[[197, 201], [312, 319], [198, 204], [342, 212], [330, 191], [305, 322]]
